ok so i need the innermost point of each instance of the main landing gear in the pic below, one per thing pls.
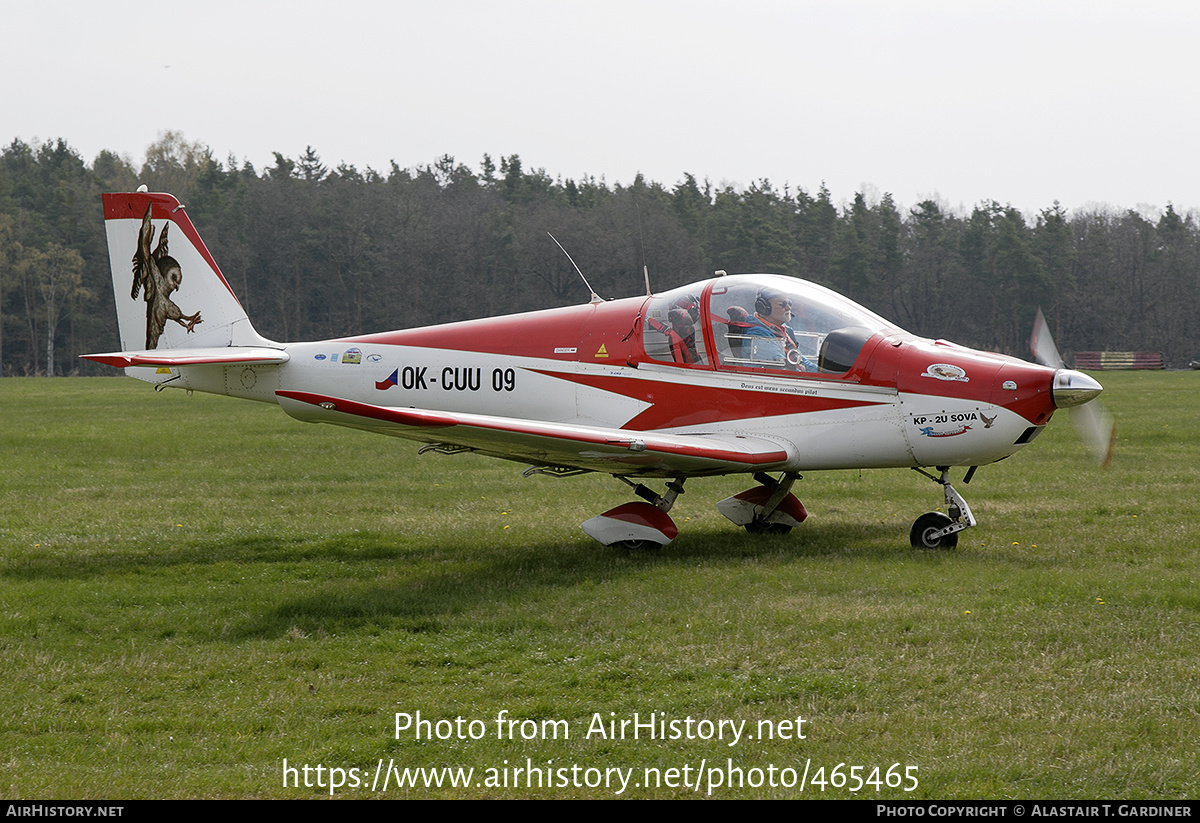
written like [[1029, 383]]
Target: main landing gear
[[638, 526], [934, 530], [769, 508]]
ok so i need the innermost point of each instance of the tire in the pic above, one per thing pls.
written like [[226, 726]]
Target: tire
[[925, 525]]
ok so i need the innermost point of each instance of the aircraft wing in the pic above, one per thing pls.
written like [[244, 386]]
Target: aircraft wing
[[226, 356], [612, 451]]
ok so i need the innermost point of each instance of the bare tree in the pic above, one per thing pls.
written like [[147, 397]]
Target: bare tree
[[53, 278]]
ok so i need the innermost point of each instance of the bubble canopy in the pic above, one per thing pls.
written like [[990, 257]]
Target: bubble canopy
[[757, 322]]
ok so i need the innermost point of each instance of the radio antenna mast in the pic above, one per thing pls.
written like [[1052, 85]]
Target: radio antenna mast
[[642, 243], [595, 297]]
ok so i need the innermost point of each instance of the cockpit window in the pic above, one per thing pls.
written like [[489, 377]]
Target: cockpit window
[[671, 331], [775, 322], [759, 321]]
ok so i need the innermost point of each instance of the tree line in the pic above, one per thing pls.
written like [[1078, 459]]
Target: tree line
[[315, 252]]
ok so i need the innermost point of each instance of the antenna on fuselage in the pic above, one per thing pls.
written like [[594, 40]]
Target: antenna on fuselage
[[642, 243], [595, 297]]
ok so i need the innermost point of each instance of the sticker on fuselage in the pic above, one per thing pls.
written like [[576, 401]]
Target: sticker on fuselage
[[945, 371], [929, 431]]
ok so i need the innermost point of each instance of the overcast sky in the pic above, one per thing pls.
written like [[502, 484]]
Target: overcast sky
[[1086, 102]]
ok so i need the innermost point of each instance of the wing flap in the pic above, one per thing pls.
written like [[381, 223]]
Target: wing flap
[[226, 356], [614, 451]]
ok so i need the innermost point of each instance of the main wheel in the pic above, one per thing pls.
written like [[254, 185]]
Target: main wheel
[[928, 524], [763, 527]]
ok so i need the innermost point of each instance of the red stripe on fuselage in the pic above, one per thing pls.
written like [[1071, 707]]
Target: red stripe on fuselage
[[681, 404]]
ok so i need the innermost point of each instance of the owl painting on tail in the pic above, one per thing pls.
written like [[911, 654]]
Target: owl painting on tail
[[156, 274]]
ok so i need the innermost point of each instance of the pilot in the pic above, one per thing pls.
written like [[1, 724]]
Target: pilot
[[773, 310]]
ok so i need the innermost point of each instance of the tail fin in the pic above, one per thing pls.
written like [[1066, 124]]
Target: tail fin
[[178, 297], [174, 306]]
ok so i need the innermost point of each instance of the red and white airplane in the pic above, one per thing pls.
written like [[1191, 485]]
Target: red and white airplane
[[752, 374]]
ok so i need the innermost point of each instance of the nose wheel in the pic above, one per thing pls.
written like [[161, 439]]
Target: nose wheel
[[929, 532], [934, 530]]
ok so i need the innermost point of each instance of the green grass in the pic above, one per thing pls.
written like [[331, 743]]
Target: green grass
[[194, 589]]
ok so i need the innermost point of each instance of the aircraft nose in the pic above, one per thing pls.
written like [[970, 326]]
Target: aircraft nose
[[1072, 388]]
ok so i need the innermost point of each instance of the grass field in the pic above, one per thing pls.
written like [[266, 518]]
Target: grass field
[[194, 589]]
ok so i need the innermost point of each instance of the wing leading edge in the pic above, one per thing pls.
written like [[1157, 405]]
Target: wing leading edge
[[613, 451]]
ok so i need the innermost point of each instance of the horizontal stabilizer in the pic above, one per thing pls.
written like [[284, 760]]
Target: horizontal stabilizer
[[224, 356], [614, 451]]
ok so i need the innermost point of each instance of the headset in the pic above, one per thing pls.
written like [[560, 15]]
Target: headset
[[762, 303]]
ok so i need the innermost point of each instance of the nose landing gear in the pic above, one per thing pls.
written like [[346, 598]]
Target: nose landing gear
[[934, 530]]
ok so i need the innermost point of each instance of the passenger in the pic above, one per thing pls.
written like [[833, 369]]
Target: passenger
[[683, 337], [779, 347], [680, 329], [689, 304]]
